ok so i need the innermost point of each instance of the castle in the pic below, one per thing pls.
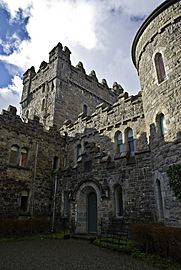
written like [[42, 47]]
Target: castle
[[86, 153]]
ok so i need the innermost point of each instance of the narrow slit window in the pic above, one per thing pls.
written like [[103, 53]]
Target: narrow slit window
[[85, 109], [43, 105], [160, 68]]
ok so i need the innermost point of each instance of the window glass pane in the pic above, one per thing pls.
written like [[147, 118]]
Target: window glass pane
[[160, 69], [14, 155], [163, 127], [23, 158]]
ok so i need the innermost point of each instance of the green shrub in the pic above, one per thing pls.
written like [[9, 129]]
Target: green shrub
[[174, 173]]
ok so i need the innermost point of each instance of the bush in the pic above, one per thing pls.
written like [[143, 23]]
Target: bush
[[14, 227], [158, 239], [174, 173]]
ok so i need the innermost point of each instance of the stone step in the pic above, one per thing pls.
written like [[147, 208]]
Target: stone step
[[88, 237]]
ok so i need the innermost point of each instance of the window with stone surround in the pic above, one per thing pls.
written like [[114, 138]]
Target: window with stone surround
[[118, 201], [160, 68], [14, 155], [23, 161], [43, 104], [27, 114], [43, 88], [161, 124], [85, 109], [119, 142], [129, 140], [24, 201]]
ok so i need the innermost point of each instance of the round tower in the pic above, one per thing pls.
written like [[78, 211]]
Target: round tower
[[156, 55]]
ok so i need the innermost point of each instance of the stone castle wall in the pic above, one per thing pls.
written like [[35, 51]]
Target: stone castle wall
[[102, 125], [162, 35], [36, 179], [64, 88]]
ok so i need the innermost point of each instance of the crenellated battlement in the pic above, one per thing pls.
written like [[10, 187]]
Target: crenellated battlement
[[33, 127], [126, 111], [58, 86]]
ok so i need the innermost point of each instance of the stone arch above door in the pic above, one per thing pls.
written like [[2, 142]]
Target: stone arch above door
[[81, 201]]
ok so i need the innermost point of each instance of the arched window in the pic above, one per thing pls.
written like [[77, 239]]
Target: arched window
[[119, 142], [79, 151], [159, 199], [163, 127], [85, 109], [161, 124], [14, 155], [118, 198], [160, 69], [23, 162], [43, 105], [129, 139]]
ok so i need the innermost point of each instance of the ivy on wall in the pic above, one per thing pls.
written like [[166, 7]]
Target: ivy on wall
[[174, 173]]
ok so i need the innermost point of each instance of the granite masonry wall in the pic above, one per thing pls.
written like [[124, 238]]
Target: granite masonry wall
[[58, 90], [36, 179], [58, 179], [162, 35]]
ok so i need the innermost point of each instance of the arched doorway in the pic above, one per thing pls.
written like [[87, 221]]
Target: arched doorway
[[87, 208], [92, 212]]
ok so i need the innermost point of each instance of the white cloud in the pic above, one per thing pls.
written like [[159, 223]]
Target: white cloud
[[11, 95], [101, 39]]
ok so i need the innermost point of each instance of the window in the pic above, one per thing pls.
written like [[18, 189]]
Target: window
[[43, 105], [163, 127], [118, 201], [160, 69], [85, 109], [79, 151], [43, 88], [55, 162], [14, 155], [52, 87], [23, 162], [24, 201], [27, 114], [129, 141], [161, 124], [160, 199], [119, 142]]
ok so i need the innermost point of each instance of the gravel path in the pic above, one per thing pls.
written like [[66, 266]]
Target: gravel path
[[63, 255]]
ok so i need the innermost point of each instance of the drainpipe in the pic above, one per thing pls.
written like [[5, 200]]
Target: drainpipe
[[33, 183], [54, 201]]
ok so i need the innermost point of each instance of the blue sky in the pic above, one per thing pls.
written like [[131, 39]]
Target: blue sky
[[98, 33]]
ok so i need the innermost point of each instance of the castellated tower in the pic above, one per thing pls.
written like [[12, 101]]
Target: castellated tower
[[60, 91], [156, 54]]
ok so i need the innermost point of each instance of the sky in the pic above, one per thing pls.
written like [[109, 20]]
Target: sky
[[99, 33]]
